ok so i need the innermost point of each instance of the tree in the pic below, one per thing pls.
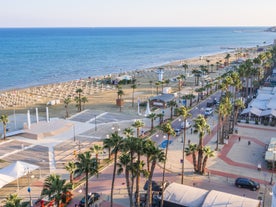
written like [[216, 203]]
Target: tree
[[133, 86], [128, 132], [184, 112], [237, 106], [154, 155], [185, 66], [207, 153], [138, 124], [4, 119], [116, 143], [13, 201], [56, 189], [197, 74], [152, 117], [167, 129], [120, 94], [66, 102], [201, 126], [97, 149], [227, 57], [78, 98], [191, 150], [157, 84], [71, 167], [88, 165], [84, 100], [124, 165], [172, 104], [161, 118]]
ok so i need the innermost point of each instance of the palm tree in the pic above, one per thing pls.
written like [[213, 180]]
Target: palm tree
[[197, 74], [227, 57], [191, 150], [154, 155], [172, 104], [128, 132], [185, 66], [184, 112], [237, 106], [201, 126], [167, 129], [66, 102], [133, 86], [208, 153], [138, 124], [161, 118], [84, 100], [88, 165], [78, 98], [124, 165], [4, 119], [71, 167], [120, 94], [116, 143], [56, 189], [152, 117], [13, 201], [157, 84], [97, 149]]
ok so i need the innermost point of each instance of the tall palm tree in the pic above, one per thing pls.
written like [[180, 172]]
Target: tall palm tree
[[227, 58], [184, 112], [66, 102], [124, 165], [207, 153], [152, 117], [237, 106], [191, 150], [116, 143], [161, 118], [71, 167], [120, 94], [56, 189], [88, 165], [201, 126], [167, 129], [4, 119], [154, 155], [96, 149], [157, 84], [138, 124], [185, 66], [133, 86], [78, 98], [84, 100], [13, 201], [172, 104], [128, 132]]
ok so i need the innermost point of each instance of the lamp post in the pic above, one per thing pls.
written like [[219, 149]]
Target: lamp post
[[74, 131], [95, 122], [183, 149], [27, 172], [116, 128]]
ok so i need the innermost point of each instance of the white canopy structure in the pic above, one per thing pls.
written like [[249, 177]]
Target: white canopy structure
[[14, 171], [182, 195], [254, 111]]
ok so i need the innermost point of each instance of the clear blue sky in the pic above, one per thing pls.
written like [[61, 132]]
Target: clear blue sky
[[123, 13]]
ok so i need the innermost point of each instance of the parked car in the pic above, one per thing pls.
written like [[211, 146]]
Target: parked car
[[187, 125], [208, 111], [156, 186], [92, 198], [177, 131], [247, 183]]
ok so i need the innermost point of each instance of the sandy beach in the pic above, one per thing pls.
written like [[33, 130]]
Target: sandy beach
[[103, 96]]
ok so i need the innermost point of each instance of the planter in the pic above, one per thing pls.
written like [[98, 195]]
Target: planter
[[119, 102]]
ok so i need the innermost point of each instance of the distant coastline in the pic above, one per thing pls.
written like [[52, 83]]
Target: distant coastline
[[271, 29]]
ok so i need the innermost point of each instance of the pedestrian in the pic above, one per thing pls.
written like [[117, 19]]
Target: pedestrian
[[191, 130], [189, 142], [249, 143], [239, 139]]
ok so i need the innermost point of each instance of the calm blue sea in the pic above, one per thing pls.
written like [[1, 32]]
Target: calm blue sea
[[33, 56]]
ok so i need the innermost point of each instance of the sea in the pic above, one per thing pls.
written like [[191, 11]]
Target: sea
[[36, 56]]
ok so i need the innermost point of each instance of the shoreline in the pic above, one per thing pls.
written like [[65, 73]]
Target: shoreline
[[42, 94]]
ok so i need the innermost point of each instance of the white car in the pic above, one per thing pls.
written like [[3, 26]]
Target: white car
[[177, 132], [208, 111], [185, 125]]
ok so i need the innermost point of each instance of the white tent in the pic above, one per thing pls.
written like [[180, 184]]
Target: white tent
[[184, 195], [254, 111], [14, 171], [221, 199]]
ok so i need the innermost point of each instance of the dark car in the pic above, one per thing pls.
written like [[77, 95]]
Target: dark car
[[92, 198], [247, 183], [156, 186]]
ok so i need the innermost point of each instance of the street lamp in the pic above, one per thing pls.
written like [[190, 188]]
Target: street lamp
[[95, 122], [27, 172], [116, 128]]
